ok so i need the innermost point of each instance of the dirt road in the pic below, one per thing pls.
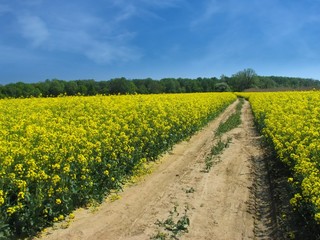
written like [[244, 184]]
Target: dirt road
[[222, 203]]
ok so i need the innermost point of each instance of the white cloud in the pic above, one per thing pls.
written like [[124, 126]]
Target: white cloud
[[210, 9], [163, 3], [126, 13], [101, 35], [103, 52], [93, 38], [149, 3], [143, 8], [102, 39], [34, 29]]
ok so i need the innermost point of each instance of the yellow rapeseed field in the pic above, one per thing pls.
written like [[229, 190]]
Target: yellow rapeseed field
[[291, 122], [60, 153]]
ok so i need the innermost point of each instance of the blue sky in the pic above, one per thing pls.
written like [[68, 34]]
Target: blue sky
[[103, 39]]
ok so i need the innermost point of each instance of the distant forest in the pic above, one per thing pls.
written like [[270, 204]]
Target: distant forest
[[242, 81]]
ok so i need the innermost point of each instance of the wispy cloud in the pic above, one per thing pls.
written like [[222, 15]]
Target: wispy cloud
[[105, 52], [143, 8], [215, 10], [102, 40], [210, 8], [163, 3], [150, 3], [162, 35], [127, 11], [34, 29]]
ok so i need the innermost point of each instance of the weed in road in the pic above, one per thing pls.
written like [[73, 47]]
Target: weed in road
[[173, 226], [232, 122], [190, 190], [213, 157]]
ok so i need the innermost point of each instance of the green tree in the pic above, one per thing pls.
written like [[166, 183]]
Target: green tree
[[222, 87], [266, 82], [103, 87], [243, 80], [56, 87], [71, 88], [171, 85], [43, 87], [154, 86], [122, 86], [91, 87], [141, 85], [11, 90]]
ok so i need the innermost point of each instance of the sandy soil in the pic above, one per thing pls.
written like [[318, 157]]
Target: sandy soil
[[224, 203]]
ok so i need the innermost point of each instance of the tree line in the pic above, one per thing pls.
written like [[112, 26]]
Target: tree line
[[241, 81]]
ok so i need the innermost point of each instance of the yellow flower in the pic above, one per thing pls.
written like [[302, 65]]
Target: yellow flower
[[11, 210], [56, 166], [55, 179], [290, 120], [21, 195], [18, 168], [317, 217], [53, 146], [1, 197]]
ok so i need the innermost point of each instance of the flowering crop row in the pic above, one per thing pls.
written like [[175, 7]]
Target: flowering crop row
[[60, 153], [291, 121]]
